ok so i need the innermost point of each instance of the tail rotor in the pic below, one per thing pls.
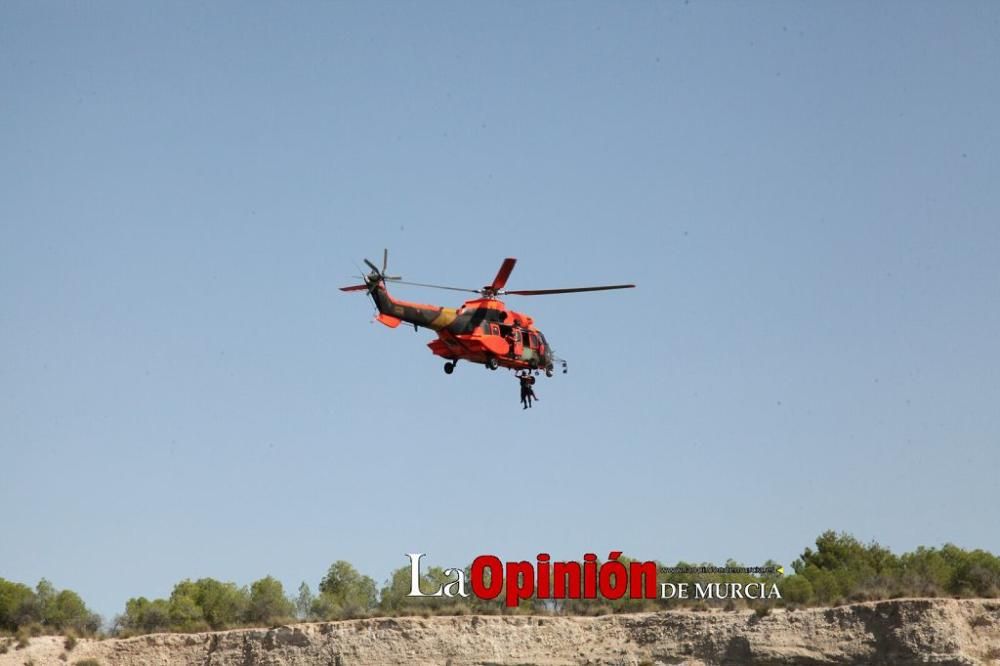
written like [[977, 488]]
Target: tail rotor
[[376, 276]]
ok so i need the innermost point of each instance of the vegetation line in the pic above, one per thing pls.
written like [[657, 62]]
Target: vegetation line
[[838, 570]]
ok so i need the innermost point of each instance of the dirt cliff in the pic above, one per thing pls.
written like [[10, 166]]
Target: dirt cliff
[[905, 631]]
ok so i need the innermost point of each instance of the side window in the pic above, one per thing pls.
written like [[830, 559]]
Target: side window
[[534, 341]]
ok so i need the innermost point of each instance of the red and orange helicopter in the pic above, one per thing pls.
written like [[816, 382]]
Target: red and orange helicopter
[[482, 330]]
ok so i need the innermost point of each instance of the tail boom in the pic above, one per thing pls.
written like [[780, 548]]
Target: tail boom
[[429, 316]]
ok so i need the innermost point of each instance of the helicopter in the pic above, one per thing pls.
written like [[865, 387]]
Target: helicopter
[[482, 330]]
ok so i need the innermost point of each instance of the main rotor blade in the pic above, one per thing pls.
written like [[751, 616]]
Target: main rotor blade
[[501, 279], [436, 286], [385, 259], [372, 266], [544, 292]]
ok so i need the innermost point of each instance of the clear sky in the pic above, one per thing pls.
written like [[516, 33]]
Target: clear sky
[[807, 194]]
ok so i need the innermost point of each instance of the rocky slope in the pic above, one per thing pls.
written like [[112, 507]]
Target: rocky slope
[[906, 631]]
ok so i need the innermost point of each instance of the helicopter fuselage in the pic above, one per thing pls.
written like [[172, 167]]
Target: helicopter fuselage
[[482, 331]]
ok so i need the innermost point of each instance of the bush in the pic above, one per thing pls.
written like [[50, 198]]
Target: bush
[[796, 589], [70, 642]]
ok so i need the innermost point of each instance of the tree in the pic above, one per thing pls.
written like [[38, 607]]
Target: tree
[[145, 616], [393, 597], [16, 599], [344, 592], [304, 601], [45, 594], [974, 573], [221, 605], [66, 610], [926, 572], [59, 610], [842, 567], [268, 602]]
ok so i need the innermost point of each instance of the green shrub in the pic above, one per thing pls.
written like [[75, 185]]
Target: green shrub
[[796, 589]]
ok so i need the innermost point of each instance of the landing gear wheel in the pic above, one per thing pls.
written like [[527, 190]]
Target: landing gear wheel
[[449, 368], [548, 372], [492, 363]]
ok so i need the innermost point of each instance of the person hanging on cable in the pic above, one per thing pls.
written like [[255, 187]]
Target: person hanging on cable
[[526, 393]]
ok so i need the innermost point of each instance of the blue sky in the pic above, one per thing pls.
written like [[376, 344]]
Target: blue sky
[[805, 193]]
